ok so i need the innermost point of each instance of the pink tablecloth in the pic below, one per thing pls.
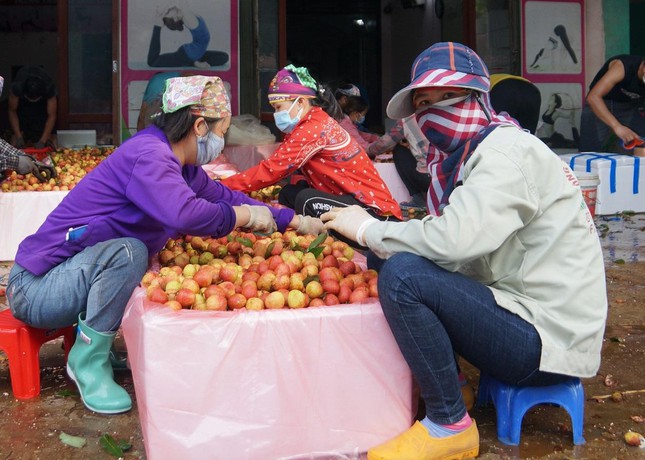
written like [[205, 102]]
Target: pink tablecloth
[[266, 384]]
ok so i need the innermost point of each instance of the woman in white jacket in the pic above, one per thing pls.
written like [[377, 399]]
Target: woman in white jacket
[[507, 271]]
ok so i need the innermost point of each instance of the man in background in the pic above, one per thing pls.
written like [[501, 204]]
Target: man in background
[[615, 105], [32, 108]]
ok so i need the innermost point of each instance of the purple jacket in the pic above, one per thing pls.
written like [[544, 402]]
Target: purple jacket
[[139, 191]]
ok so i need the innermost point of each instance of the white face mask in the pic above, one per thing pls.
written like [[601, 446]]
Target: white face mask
[[209, 147]]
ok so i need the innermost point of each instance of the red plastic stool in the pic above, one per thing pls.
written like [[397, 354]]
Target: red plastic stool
[[22, 344]]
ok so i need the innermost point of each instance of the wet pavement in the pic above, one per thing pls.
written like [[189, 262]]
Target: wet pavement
[[615, 397]]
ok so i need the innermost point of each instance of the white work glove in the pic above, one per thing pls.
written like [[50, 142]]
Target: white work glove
[[309, 225], [350, 222], [261, 219]]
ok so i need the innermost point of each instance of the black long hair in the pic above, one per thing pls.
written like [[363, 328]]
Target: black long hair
[[326, 100], [177, 125]]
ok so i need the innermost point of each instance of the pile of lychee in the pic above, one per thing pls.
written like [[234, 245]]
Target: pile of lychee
[[71, 166], [245, 270]]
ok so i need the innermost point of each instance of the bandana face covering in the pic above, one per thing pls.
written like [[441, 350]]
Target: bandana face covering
[[448, 127], [450, 130]]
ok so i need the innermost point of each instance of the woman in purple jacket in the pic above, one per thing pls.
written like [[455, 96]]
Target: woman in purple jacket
[[86, 259]]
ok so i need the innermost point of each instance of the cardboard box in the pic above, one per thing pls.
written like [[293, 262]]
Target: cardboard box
[[325, 382], [621, 179], [75, 138]]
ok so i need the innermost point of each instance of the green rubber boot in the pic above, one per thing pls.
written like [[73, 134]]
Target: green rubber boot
[[88, 365], [118, 360]]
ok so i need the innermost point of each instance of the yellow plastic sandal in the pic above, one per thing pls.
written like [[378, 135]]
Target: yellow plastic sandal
[[417, 444]]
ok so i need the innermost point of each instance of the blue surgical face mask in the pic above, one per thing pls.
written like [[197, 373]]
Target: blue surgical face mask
[[283, 120], [360, 120], [209, 147]]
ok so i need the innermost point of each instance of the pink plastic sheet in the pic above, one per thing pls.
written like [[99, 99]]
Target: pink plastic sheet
[[326, 382]]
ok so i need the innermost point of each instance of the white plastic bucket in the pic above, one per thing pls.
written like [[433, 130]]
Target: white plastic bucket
[[589, 188]]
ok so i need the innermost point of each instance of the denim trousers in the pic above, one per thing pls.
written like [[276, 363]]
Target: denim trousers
[[435, 315], [98, 280]]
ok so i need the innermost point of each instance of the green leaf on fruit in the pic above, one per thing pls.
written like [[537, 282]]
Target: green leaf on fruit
[[316, 251], [229, 237], [114, 447], [245, 242], [317, 242], [267, 254], [73, 441]]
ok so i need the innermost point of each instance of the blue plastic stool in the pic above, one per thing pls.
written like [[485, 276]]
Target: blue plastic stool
[[512, 402]]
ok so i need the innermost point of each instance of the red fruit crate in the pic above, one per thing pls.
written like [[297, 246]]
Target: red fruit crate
[[38, 154]]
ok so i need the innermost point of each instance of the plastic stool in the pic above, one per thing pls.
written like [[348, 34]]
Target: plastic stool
[[512, 402], [22, 345]]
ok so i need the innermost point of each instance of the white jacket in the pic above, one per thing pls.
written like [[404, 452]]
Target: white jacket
[[519, 225]]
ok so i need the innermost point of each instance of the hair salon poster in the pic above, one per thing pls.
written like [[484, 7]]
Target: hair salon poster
[[553, 58], [190, 37]]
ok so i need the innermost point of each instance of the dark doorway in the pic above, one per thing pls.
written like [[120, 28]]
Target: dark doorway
[[636, 31], [339, 41]]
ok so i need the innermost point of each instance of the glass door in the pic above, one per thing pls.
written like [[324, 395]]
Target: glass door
[[89, 68]]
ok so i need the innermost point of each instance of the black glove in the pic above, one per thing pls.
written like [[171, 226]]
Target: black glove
[[28, 164], [20, 143]]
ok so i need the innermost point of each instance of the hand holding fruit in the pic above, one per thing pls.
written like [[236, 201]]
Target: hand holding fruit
[[309, 225], [28, 164], [350, 222], [260, 220]]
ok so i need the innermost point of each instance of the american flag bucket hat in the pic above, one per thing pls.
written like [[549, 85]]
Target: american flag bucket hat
[[445, 64]]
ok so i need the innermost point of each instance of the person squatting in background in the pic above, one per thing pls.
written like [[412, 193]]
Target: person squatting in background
[[407, 143], [354, 116], [16, 160], [481, 279], [33, 103], [615, 105], [336, 170], [91, 252]]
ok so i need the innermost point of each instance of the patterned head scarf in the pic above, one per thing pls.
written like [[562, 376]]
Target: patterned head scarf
[[206, 95], [292, 82]]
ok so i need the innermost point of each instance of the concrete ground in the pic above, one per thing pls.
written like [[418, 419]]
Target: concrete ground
[[615, 397]]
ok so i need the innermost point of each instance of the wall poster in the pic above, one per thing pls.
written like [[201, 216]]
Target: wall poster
[[553, 58], [181, 37]]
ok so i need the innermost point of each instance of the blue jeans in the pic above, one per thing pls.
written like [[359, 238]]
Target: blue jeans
[[434, 313], [98, 280]]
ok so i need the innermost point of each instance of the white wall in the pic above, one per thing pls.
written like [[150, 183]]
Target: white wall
[[594, 39]]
